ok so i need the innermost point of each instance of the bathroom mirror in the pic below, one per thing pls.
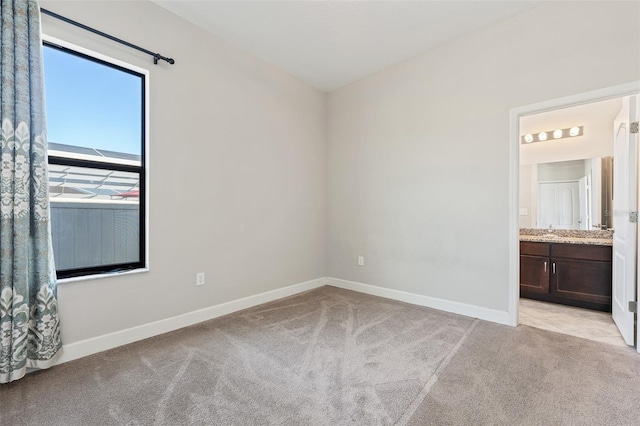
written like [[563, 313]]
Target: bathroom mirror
[[574, 194]]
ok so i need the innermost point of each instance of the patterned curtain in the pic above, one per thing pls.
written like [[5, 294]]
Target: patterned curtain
[[29, 324]]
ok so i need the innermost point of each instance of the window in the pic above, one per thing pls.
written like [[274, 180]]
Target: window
[[96, 133]]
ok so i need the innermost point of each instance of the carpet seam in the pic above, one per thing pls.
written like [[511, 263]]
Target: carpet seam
[[411, 409]]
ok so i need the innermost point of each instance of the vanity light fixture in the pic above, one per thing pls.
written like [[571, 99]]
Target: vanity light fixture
[[570, 132]]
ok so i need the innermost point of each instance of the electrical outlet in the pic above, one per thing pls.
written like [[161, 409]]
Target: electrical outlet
[[360, 260], [200, 278]]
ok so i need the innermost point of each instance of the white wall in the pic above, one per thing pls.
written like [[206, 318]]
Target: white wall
[[418, 160], [237, 173], [528, 195], [596, 141]]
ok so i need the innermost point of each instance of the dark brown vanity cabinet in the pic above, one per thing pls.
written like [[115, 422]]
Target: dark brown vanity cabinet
[[534, 268], [570, 274]]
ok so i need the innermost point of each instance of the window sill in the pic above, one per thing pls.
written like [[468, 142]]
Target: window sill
[[103, 275]]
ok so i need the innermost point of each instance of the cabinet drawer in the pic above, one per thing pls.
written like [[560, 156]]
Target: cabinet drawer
[[582, 252], [534, 249]]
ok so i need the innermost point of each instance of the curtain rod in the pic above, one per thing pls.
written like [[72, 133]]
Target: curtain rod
[[156, 56]]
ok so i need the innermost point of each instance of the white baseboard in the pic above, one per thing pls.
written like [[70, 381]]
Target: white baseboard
[[119, 338], [112, 340], [500, 317]]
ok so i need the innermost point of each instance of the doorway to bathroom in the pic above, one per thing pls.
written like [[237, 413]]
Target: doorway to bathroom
[[572, 267]]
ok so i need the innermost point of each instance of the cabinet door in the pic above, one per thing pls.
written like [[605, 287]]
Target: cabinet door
[[534, 275], [589, 281]]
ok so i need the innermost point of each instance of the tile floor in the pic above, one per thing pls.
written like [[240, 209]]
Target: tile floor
[[585, 323]]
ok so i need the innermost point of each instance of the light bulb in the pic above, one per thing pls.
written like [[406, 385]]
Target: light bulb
[[557, 134], [574, 131], [528, 138], [542, 136]]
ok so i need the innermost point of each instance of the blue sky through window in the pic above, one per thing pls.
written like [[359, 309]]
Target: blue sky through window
[[90, 104]]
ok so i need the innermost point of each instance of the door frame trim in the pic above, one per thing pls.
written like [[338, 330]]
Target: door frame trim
[[627, 89]]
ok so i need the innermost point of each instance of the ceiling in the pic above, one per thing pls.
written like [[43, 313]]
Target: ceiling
[[329, 44]]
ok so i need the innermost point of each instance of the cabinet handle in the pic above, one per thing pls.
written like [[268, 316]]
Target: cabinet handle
[[545, 266], [553, 265]]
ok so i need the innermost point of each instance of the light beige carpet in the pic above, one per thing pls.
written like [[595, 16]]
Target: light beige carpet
[[527, 376], [335, 357], [327, 356]]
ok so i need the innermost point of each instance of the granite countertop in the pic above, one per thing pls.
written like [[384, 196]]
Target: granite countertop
[[567, 240], [598, 238]]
